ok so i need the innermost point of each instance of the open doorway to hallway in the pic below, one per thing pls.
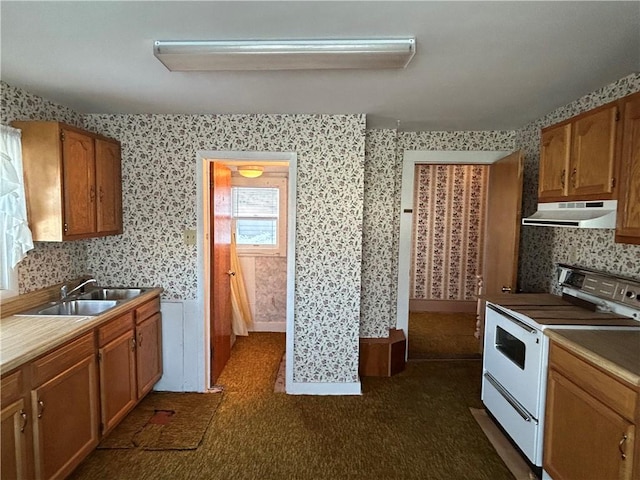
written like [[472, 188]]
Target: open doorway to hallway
[[249, 236], [446, 260], [498, 256]]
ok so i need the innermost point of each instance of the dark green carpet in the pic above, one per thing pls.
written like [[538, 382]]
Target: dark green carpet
[[415, 425], [442, 335]]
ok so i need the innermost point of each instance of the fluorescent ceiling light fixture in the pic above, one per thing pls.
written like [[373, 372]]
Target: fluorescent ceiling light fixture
[[203, 55]]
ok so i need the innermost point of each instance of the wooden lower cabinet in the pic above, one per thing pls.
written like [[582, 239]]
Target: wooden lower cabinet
[[52, 407], [117, 380], [149, 353], [586, 439], [586, 435], [14, 441], [65, 405]]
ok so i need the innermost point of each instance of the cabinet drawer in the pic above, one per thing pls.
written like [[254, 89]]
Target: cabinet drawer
[[607, 389], [148, 309], [12, 387], [115, 328], [61, 359]]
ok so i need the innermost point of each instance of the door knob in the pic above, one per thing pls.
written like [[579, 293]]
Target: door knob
[[506, 289], [231, 273]]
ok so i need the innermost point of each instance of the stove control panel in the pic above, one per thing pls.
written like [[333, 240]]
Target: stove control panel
[[600, 285]]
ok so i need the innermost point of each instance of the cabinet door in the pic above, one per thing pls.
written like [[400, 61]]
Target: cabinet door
[[66, 427], [149, 353], [628, 227], [117, 379], [108, 185], [594, 153], [79, 184], [14, 441], [583, 437], [555, 149]]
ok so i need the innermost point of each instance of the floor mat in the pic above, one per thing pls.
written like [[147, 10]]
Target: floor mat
[[510, 456], [165, 421]]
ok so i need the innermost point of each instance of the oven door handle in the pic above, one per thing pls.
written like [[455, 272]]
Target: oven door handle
[[512, 319], [509, 398]]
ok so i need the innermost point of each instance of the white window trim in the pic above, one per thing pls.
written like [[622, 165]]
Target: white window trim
[[11, 281], [266, 181]]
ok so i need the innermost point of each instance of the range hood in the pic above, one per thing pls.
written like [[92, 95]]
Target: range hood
[[591, 214]]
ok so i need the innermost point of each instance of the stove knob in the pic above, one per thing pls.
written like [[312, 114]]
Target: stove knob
[[631, 294]]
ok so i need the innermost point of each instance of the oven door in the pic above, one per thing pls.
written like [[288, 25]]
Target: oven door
[[513, 357]]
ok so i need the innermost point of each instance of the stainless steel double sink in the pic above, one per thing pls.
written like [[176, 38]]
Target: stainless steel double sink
[[91, 303]]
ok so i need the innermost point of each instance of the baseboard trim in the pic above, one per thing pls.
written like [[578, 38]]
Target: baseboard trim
[[268, 327], [461, 306], [297, 388]]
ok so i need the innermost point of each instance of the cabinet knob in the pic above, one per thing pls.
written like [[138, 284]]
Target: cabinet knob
[[563, 177], [133, 344], [92, 193], [140, 340], [574, 173], [506, 289], [40, 408]]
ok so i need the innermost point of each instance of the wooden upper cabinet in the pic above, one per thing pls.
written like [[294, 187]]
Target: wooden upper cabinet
[[594, 153], [554, 161], [578, 157], [72, 182], [108, 186], [78, 167], [628, 216]]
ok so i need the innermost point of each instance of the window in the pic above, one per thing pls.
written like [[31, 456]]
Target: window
[[8, 280], [259, 217], [15, 236]]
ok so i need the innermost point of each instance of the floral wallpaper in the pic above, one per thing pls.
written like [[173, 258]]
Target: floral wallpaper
[[541, 248], [159, 197], [48, 263], [271, 289], [448, 231], [383, 181], [377, 301], [348, 214]]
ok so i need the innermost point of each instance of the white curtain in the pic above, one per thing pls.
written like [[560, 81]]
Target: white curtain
[[15, 236], [241, 312]]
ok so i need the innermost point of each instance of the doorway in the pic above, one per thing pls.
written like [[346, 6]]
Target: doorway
[[208, 163], [446, 260], [410, 161]]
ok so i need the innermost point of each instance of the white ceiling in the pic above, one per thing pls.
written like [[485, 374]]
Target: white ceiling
[[478, 66]]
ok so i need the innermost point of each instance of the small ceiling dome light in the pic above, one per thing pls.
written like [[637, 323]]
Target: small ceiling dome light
[[250, 171]]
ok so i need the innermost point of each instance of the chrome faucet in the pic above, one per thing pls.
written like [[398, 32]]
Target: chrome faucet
[[64, 293]]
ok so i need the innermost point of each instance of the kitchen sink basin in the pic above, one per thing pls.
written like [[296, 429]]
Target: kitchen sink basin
[[101, 293], [74, 308]]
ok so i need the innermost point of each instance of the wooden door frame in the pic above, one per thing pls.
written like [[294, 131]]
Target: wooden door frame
[[410, 159], [205, 159]]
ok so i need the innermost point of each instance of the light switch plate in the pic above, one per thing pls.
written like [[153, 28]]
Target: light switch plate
[[189, 236]]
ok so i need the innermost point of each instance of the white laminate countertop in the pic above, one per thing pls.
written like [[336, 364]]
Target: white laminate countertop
[[24, 338]]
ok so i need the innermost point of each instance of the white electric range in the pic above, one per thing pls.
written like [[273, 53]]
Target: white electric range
[[516, 350]]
